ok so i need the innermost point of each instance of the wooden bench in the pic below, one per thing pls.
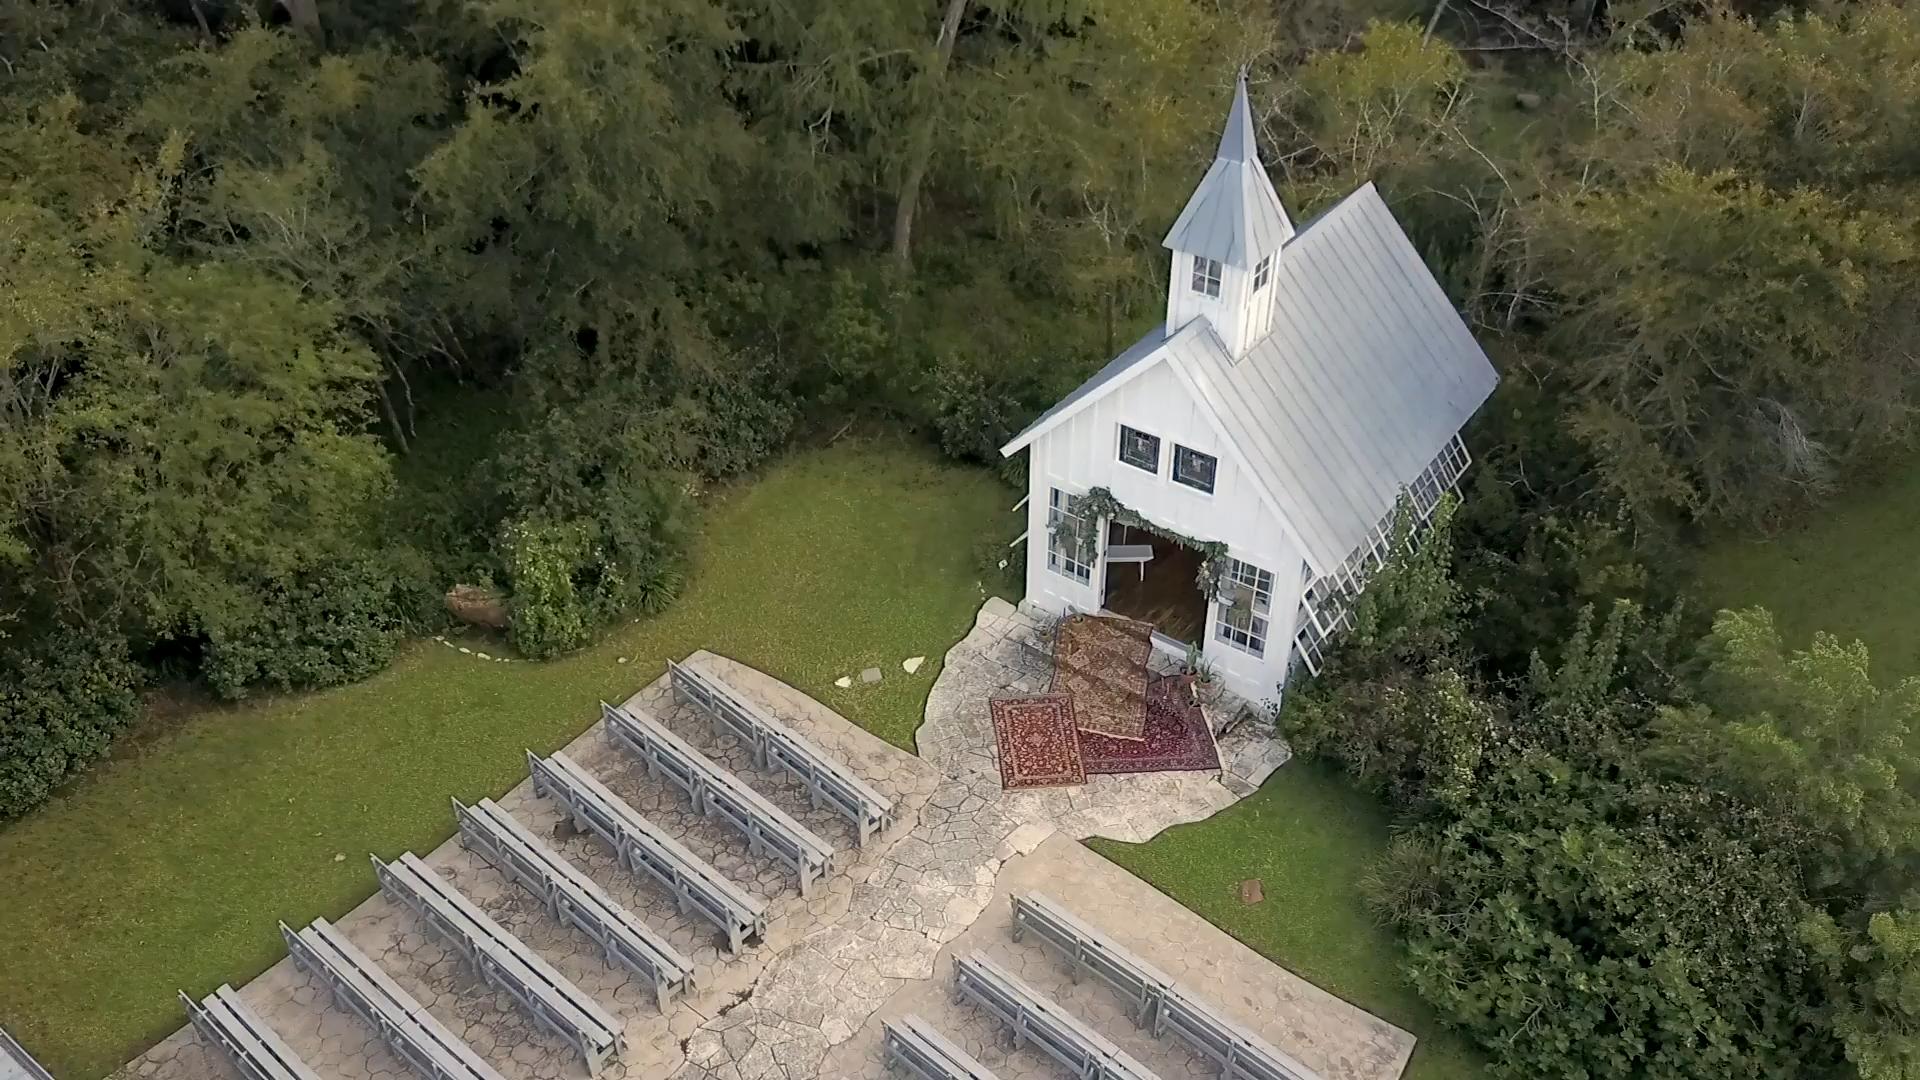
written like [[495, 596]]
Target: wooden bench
[[502, 960], [718, 793], [357, 984], [256, 1050], [574, 898], [1157, 1000], [643, 847], [918, 1047], [1032, 1017], [828, 782]]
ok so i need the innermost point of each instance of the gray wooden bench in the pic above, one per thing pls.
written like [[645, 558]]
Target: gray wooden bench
[[643, 848], [718, 793], [256, 1050], [828, 782], [358, 985], [1032, 1017], [1158, 1002], [574, 898], [1086, 949], [502, 960], [917, 1047]]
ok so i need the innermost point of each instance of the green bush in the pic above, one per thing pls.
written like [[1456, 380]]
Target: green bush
[[731, 419], [561, 585], [62, 701], [317, 627]]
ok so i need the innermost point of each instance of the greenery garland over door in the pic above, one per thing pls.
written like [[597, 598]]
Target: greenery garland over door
[[1084, 528]]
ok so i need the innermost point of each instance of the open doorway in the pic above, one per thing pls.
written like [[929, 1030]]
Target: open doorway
[[1153, 579]]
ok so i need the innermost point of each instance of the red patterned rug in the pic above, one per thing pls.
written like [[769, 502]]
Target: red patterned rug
[[1036, 740], [1102, 662], [1177, 737]]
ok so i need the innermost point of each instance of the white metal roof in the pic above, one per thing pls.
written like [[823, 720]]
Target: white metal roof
[[1367, 373], [1234, 215]]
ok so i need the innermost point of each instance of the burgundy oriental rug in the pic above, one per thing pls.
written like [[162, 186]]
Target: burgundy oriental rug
[[1102, 662], [1177, 737], [1036, 741]]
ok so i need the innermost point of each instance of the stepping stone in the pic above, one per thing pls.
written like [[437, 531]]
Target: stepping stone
[[870, 676], [843, 681], [1250, 891], [912, 664]]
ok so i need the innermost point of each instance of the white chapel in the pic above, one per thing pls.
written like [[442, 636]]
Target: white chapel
[[1259, 439]]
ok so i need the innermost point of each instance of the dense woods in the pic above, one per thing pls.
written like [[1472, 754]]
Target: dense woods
[[312, 310]]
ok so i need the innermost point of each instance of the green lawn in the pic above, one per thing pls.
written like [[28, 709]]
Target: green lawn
[[167, 866], [1851, 569], [1308, 837]]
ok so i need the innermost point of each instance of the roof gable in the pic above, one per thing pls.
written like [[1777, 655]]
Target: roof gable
[[1117, 372]]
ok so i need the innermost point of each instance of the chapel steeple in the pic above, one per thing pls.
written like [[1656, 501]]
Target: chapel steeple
[[1228, 238]]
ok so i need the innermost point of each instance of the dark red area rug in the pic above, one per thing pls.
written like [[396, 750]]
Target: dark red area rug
[[1177, 738], [1036, 741]]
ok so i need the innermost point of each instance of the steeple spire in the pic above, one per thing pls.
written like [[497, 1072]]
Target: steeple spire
[[1236, 142], [1227, 241]]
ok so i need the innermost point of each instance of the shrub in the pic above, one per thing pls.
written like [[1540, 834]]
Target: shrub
[[61, 703], [731, 419], [317, 627], [561, 585], [1416, 742]]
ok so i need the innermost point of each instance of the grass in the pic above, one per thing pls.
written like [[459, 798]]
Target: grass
[[1849, 570], [1308, 837], [167, 866]]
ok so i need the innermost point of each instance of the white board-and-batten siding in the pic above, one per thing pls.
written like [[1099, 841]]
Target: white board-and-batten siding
[[1083, 453]]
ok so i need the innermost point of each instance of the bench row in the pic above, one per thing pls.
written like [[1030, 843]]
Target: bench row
[[1158, 1002], [357, 984]]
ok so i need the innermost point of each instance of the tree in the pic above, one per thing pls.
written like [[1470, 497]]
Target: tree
[[1578, 926], [1875, 998], [175, 428], [920, 148], [1807, 736], [1729, 347]]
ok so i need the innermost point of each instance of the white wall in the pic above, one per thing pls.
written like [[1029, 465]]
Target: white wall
[[1240, 315], [1083, 453]]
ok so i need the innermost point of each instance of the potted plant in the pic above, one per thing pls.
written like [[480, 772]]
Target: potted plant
[[1203, 680]]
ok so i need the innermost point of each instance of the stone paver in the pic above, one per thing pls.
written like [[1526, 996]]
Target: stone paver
[[873, 934]]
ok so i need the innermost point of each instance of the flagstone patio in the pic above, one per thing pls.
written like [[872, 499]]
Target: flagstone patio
[[871, 940]]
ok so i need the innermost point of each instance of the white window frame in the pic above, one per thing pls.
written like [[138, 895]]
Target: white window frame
[[1262, 273], [1206, 276], [1077, 565], [1326, 605], [1129, 429], [1212, 481], [1246, 626]]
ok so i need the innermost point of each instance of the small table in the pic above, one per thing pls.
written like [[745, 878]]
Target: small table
[[1139, 554]]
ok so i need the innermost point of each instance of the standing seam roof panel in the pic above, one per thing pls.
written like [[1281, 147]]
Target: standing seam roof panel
[[1369, 353], [1318, 362]]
